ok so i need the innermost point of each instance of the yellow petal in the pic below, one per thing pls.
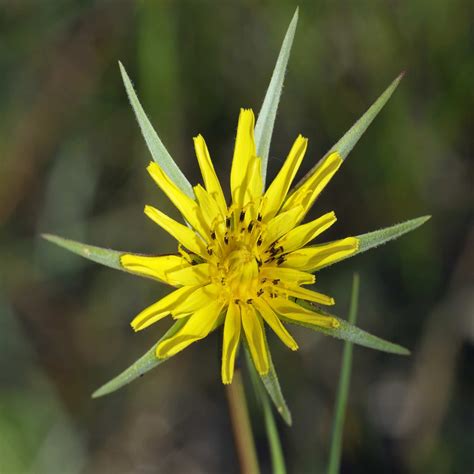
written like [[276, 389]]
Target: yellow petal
[[244, 150], [255, 335], [230, 343], [274, 322], [190, 276], [313, 258], [281, 224], [161, 308], [188, 207], [201, 297], [308, 295], [153, 267], [198, 326], [293, 312], [208, 206], [277, 191], [303, 234], [180, 232], [209, 176], [253, 184], [288, 275], [307, 193]]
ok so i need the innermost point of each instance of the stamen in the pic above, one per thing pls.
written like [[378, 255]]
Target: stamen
[[209, 250], [259, 241], [226, 239], [227, 222], [259, 217], [280, 260], [249, 301], [242, 216], [185, 254], [260, 292], [276, 281], [236, 301], [250, 227], [213, 235]]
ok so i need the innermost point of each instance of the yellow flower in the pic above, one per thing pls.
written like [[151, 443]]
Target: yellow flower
[[241, 265]]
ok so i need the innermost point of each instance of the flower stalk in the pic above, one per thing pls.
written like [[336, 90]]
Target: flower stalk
[[242, 428]]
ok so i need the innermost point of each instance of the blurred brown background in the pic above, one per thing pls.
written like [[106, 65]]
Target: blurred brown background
[[72, 162]]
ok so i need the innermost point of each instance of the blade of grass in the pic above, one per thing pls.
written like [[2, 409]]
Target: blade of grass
[[276, 452], [343, 389]]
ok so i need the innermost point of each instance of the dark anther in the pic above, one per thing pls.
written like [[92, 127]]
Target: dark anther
[[236, 301], [259, 241], [259, 218], [213, 235], [227, 222], [209, 251], [242, 216], [260, 292], [249, 300], [280, 260], [264, 280], [250, 227], [269, 260], [259, 262], [276, 281], [226, 239]]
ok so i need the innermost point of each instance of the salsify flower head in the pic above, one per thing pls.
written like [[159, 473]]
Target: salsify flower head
[[244, 264], [241, 265]]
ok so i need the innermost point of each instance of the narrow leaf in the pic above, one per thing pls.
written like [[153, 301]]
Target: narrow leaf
[[343, 388], [276, 451], [155, 145], [351, 137], [382, 236], [348, 332], [267, 114], [107, 257], [147, 362]]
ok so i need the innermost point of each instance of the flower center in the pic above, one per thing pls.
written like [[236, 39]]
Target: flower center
[[242, 273]]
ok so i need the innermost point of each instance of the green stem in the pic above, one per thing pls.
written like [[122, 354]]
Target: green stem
[[242, 428], [343, 389]]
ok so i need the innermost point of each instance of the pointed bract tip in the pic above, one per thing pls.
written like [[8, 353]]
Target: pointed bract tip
[[122, 68], [100, 392]]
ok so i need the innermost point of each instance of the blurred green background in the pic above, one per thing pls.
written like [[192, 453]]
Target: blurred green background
[[72, 162]]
